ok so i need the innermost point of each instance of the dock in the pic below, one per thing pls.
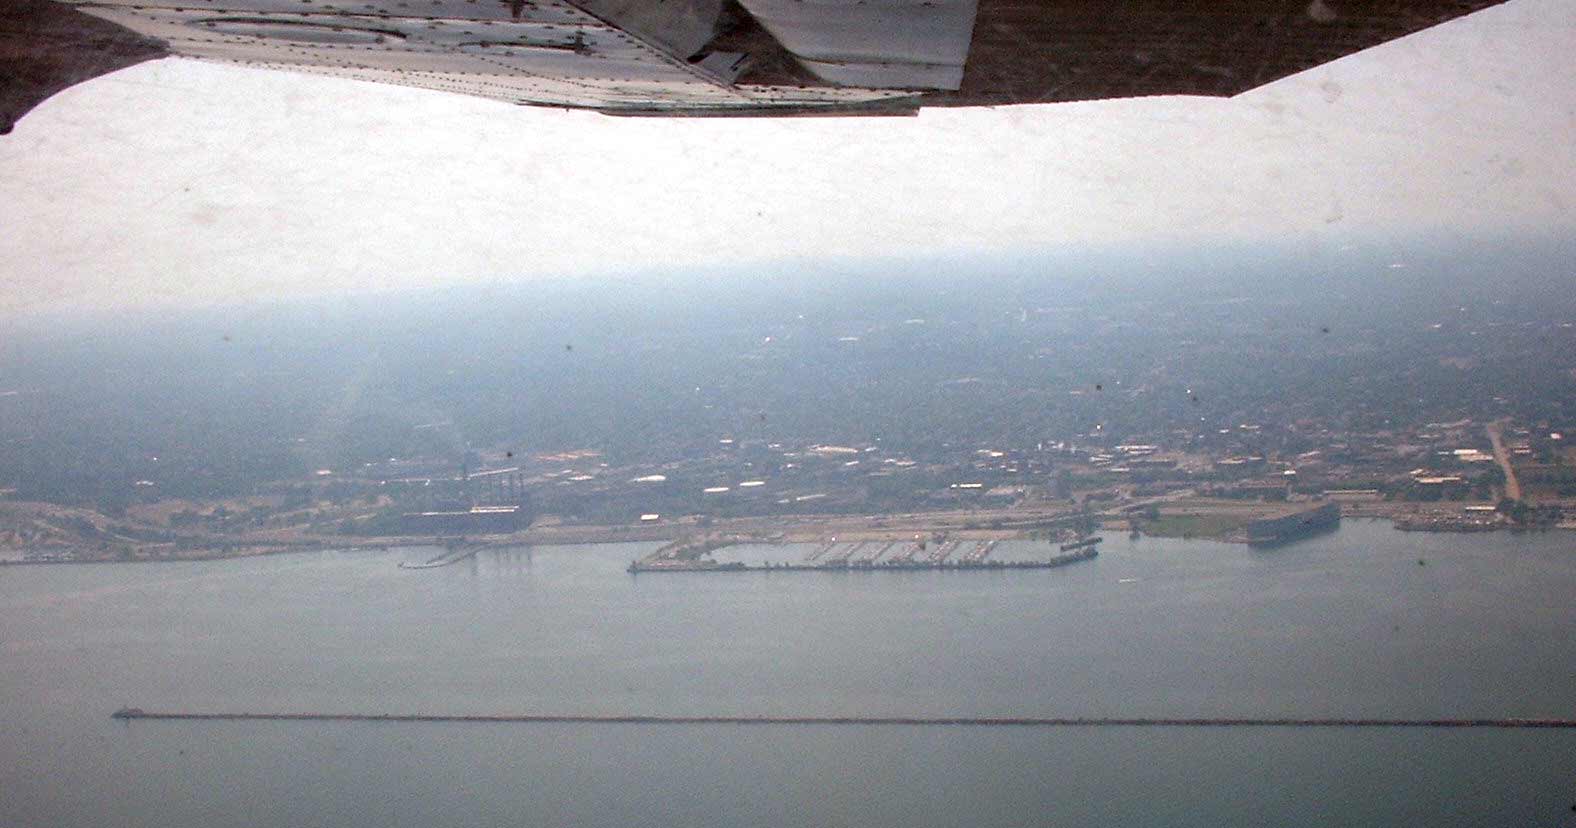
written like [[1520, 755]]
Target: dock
[[816, 555], [980, 552], [943, 550], [867, 560], [841, 556], [907, 553]]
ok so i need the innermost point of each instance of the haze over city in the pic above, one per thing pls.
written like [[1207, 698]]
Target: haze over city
[[178, 181]]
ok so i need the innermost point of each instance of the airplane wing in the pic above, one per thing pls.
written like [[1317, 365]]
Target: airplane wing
[[720, 57]]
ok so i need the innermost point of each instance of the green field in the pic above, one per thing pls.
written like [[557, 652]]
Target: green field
[[1191, 526]]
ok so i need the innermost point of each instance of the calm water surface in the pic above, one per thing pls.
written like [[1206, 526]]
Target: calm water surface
[[1348, 624]]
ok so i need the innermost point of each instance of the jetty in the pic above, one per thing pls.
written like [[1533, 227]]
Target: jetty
[[453, 554]]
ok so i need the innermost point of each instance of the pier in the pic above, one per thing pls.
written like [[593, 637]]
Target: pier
[[867, 560], [135, 713], [980, 552], [1079, 544], [453, 554], [825, 548], [841, 556], [943, 550]]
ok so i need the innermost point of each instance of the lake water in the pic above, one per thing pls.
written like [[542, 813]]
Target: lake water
[[1346, 624]]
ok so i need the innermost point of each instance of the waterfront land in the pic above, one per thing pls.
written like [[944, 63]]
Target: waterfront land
[[877, 406], [50, 533]]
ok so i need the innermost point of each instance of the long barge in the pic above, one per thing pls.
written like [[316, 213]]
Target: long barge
[[891, 565]]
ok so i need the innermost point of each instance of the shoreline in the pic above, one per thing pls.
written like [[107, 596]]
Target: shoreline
[[803, 529]]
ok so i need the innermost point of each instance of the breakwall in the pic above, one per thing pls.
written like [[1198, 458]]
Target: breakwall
[[132, 713]]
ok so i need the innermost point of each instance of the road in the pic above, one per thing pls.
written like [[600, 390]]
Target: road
[[1502, 457]]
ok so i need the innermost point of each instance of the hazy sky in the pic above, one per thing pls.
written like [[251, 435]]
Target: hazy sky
[[184, 181]]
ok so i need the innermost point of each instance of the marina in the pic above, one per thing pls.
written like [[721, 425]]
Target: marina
[[980, 552], [871, 558], [940, 559], [841, 556], [820, 550]]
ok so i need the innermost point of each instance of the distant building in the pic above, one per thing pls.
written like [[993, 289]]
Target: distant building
[[477, 520]]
